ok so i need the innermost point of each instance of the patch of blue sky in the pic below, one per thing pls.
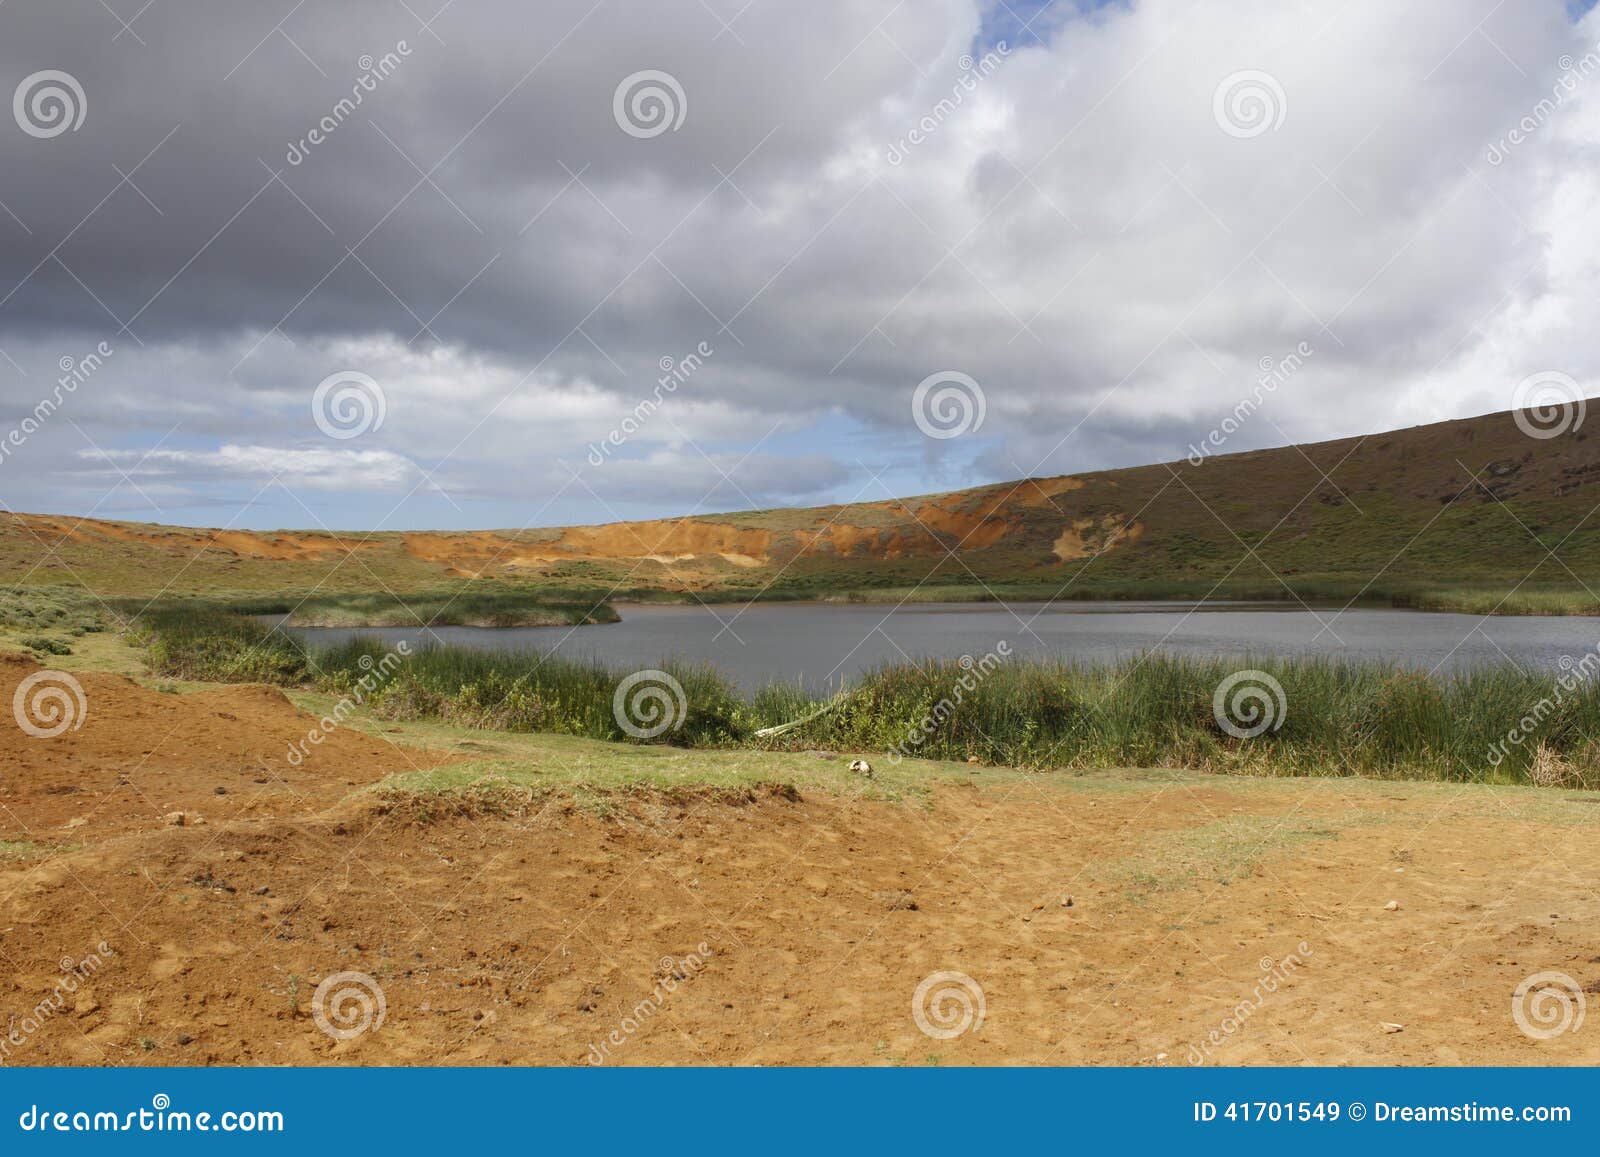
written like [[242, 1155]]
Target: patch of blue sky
[[1021, 23]]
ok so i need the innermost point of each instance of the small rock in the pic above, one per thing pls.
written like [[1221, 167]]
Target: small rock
[[1066, 901], [261, 891], [861, 767], [175, 819], [1161, 1056], [1390, 1026], [185, 1039], [1392, 906], [75, 822], [221, 791], [972, 759]]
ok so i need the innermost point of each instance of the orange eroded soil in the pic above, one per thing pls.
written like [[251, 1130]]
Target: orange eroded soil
[[529, 935]]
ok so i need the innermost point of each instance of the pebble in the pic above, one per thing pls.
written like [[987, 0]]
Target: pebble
[[1392, 906]]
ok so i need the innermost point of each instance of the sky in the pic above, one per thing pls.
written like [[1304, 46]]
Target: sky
[[583, 261]]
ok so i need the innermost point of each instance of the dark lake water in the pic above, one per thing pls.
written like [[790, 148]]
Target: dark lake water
[[824, 645]]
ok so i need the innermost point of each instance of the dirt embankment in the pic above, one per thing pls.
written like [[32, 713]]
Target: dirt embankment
[[1085, 921], [129, 755]]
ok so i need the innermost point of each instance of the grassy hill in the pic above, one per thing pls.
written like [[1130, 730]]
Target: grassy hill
[[1471, 513]]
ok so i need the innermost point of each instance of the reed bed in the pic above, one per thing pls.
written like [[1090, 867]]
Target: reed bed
[[1491, 724], [207, 643]]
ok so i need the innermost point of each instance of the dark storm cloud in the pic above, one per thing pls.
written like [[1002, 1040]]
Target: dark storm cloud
[[847, 207]]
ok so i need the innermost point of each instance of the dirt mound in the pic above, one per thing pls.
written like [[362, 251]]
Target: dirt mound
[[1166, 919], [127, 755], [1079, 924]]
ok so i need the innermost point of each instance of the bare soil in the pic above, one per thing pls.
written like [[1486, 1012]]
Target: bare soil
[[1123, 919]]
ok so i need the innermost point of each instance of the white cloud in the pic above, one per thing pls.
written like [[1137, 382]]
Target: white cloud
[[1079, 235], [316, 468]]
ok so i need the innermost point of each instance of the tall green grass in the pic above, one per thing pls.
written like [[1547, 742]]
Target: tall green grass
[[1156, 710], [204, 642], [516, 691]]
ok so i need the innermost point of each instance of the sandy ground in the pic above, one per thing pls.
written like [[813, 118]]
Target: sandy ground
[[1129, 918]]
